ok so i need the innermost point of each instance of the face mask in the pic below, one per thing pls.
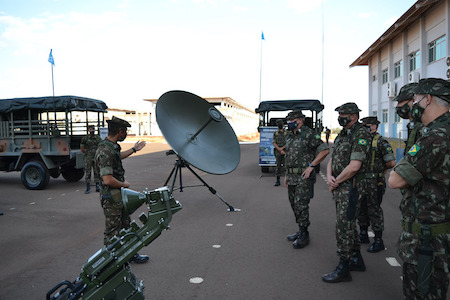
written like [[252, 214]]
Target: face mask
[[417, 111], [292, 125], [344, 121], [91, 132], [368, 128], [403, 111]]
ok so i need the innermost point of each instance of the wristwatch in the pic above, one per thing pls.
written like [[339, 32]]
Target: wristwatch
[[311, 165]]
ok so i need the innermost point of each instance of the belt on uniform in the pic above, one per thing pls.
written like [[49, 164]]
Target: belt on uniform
[[436, 229], [294, 170], [362, 176]]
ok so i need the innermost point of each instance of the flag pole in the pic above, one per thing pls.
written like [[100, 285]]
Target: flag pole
[[53, 83], [260, 68]]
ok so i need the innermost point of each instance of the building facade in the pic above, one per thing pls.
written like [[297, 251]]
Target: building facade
[[414, 47]]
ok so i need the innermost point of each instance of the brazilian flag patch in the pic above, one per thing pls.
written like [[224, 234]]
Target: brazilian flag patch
[[388, 148], [317, 137], [362, 142], [413, 150]]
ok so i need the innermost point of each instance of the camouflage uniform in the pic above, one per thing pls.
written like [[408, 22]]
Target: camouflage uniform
[[375, 182], [426, 169], [279, 138], [350, 144], [301, 149], [90, 143]]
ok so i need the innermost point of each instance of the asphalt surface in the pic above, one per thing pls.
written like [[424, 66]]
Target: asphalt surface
[[48, 235]]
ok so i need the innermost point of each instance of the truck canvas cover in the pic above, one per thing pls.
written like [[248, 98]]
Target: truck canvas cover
[[281, 105], [58, 103]]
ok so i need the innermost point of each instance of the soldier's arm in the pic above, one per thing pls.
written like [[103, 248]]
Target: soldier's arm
[[112, 182], [137, 147], [396, 181], [349, 171]]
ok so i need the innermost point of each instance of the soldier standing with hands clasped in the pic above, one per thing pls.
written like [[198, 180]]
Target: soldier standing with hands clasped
[[349, 157], [112, 178], [302, 144], [424, 172], [279, 141], [88, 146]]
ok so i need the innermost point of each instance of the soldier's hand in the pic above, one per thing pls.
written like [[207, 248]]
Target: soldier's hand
[[139, 145], [282, 152], [332, 183], [307, 172], [126, 184]]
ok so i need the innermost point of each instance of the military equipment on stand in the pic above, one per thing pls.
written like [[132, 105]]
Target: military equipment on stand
[[199, 135], [107, 274]]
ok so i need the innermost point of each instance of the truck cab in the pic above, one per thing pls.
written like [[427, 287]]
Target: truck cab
[[312, 109], [40, 136]]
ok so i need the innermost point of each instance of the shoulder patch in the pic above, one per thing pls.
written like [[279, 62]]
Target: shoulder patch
[[362, 142], [388, 148], [413, 150], [317, 137]]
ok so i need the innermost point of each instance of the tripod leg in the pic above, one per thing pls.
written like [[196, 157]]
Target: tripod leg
[[211, 189], [171, 173]]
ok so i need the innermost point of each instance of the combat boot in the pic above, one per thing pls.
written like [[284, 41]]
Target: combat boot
[[88, 188], [363, 235], [97, 187], [378, 244], [302, 240], [278, 181], [294, 236], [357, 262], [341, 273]]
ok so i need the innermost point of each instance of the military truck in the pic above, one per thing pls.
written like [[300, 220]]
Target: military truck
[[267, 126], [40, 136]]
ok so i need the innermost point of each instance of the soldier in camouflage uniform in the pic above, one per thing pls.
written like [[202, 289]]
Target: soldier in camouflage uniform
[[112, 178], [403, 108], [425, 171], [302, 144], [88, 146], [381, 158], [348, 159], [278, 141]]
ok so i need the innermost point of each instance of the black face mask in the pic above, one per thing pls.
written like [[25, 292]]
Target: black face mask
[[403, 111], [344, 121], [292, 125]]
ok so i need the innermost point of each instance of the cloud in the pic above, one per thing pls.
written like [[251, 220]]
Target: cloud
[[303, 6]]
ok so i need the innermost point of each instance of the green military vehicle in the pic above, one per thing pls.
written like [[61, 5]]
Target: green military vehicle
[[41, 136]]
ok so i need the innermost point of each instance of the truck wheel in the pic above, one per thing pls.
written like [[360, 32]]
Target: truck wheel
[[35, 175], [71, 174], [55, 172]]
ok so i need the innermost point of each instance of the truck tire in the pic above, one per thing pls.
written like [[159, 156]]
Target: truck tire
[[55, 172], [35, 175], [71, 174]]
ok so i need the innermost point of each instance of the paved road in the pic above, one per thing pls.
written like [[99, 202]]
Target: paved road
[[47, 236]]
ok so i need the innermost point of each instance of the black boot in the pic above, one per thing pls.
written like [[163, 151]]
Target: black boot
[[357, 262], [342, 273], [363, 235], [97, 187], [302, 240], [293, 237], [88, 188], [378, 244], [278, 181]]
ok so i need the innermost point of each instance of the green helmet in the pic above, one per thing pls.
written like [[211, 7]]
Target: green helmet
[[406, 92], [433, 86], [348, 108]]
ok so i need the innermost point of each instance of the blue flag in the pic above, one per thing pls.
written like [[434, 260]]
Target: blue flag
[[262, 37], [50, 58]]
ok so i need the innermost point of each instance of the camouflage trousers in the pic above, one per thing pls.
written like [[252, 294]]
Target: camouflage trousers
[[115, 218], [371, 212], [438, 284], [299, 197], [280, 162], [90, 165], [347, 209]]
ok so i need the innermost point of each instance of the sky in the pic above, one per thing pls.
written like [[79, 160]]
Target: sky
[[123, 51]]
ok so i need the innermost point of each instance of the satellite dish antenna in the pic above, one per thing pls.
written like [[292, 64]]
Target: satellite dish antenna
[[198, 134]]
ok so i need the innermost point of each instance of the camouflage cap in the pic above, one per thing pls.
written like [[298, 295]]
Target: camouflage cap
[[406, 92], [295, 114], [348, 108], [118, 122], [370, 120], [433, 86]]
